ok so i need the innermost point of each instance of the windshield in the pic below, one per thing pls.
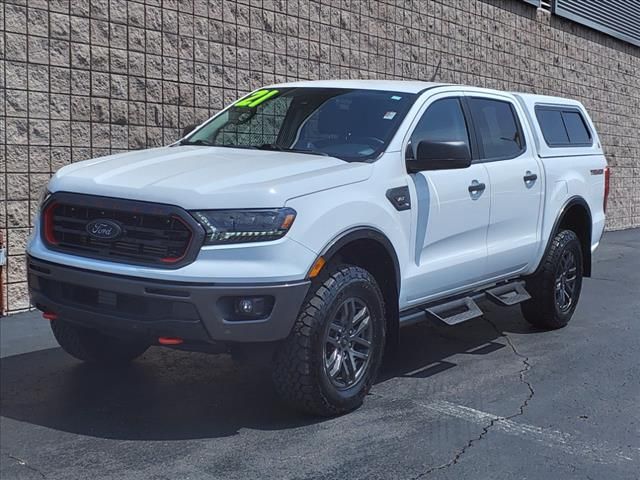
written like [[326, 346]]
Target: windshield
[[353, 125]]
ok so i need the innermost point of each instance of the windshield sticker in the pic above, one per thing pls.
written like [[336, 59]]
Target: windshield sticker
[[389, 115], [396, 97], [256, 98]]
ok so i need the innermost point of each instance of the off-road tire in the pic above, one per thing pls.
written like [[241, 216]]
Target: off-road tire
[[542, 310], [92, 346], [299, 374]]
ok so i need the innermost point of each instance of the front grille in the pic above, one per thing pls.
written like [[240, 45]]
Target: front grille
[[148, 234], [146, 238]]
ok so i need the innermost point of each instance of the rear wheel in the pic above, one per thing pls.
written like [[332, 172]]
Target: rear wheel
[[329, 361], [91, 346], [555, 289]]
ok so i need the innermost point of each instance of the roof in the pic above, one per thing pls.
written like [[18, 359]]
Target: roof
[[414, 86], [533, 99], [406, 86]]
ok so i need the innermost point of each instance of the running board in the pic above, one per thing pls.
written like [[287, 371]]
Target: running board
[[455, 311], [508, 294], [465, 308]]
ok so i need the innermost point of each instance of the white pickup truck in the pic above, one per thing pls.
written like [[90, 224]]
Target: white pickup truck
[[312, 220]]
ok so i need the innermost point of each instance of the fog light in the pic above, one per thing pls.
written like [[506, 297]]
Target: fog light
[[245, 309], [245, 305], [252, 306]]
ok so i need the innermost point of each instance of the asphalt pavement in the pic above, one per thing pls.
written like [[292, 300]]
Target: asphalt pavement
[[489, 399]]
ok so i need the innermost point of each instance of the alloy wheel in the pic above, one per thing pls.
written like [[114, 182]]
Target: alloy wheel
[[566, 279], [348, 344]]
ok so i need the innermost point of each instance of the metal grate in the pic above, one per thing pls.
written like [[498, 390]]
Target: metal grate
[[618, 18]]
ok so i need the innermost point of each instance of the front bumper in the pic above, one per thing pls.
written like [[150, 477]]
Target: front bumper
[[152, 308]]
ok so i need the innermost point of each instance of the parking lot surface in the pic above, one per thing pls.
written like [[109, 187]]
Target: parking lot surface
[[490, 399]]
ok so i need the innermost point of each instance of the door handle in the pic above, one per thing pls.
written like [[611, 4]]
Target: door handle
[[530, 177], [476, 188]]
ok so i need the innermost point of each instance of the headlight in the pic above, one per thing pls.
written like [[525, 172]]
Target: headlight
[[240, 226]]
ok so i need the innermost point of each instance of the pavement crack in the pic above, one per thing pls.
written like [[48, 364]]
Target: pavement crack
[[26, 465], [460, 452], [485, 430], [522, 373]]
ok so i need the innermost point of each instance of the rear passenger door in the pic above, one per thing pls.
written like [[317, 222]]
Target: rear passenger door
[[505, 149]]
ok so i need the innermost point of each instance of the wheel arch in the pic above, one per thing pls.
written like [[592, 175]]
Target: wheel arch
[[371, 249], [574, 215]]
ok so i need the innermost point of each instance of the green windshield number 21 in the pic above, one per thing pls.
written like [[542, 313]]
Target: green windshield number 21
[[256, 98]]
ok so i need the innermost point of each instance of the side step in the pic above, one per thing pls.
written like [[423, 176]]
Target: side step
[[508, 294], [455, 311], [462, 309]]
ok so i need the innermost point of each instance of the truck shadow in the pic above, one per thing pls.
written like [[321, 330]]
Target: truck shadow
[[173, 395]]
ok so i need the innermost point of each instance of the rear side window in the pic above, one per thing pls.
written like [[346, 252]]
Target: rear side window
[[563, 127], [576, 128], [498, 129], [552, 127]]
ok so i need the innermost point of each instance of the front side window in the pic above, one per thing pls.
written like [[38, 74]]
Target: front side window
[[351, 124], [443, 122], [498, 129]]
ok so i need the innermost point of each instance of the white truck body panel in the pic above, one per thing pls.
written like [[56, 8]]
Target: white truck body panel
[[195, 177], [568, 171]]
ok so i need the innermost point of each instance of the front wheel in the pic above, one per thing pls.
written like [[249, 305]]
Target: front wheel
[[331, 358], [555, 289]]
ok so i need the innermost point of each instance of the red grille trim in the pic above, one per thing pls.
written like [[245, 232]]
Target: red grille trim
[[158, 235]]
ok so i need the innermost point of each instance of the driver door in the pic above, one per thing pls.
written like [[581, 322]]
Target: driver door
[[452, 216]]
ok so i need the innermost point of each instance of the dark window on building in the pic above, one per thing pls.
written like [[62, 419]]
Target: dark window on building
[[563, 127], [498, 129], [442, 122]]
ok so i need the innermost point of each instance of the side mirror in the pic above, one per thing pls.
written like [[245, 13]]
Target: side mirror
[[438, 155], [188, 129]]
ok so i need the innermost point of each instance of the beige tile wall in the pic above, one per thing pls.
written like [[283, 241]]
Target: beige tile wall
[[86, 78]]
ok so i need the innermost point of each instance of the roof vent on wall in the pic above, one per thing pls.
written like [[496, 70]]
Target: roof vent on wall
[[620, 19]]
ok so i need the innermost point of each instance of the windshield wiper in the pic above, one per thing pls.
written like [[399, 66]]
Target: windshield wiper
[[199, 141], [271, 146], [279, 148], [246, 147]]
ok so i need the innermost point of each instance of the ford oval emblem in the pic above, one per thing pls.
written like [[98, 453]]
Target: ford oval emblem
[[104, 229]]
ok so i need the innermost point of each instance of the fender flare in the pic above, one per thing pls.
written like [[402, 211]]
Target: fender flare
[[359, 233], [571, 202]]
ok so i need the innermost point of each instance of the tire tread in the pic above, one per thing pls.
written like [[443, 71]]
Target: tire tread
[[540, 311], [295, 366]]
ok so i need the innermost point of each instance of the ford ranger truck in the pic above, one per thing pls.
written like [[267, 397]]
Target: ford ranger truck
[[313, 220]]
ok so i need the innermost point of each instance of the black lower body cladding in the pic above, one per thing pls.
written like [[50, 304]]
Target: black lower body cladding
[[194, 312]]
